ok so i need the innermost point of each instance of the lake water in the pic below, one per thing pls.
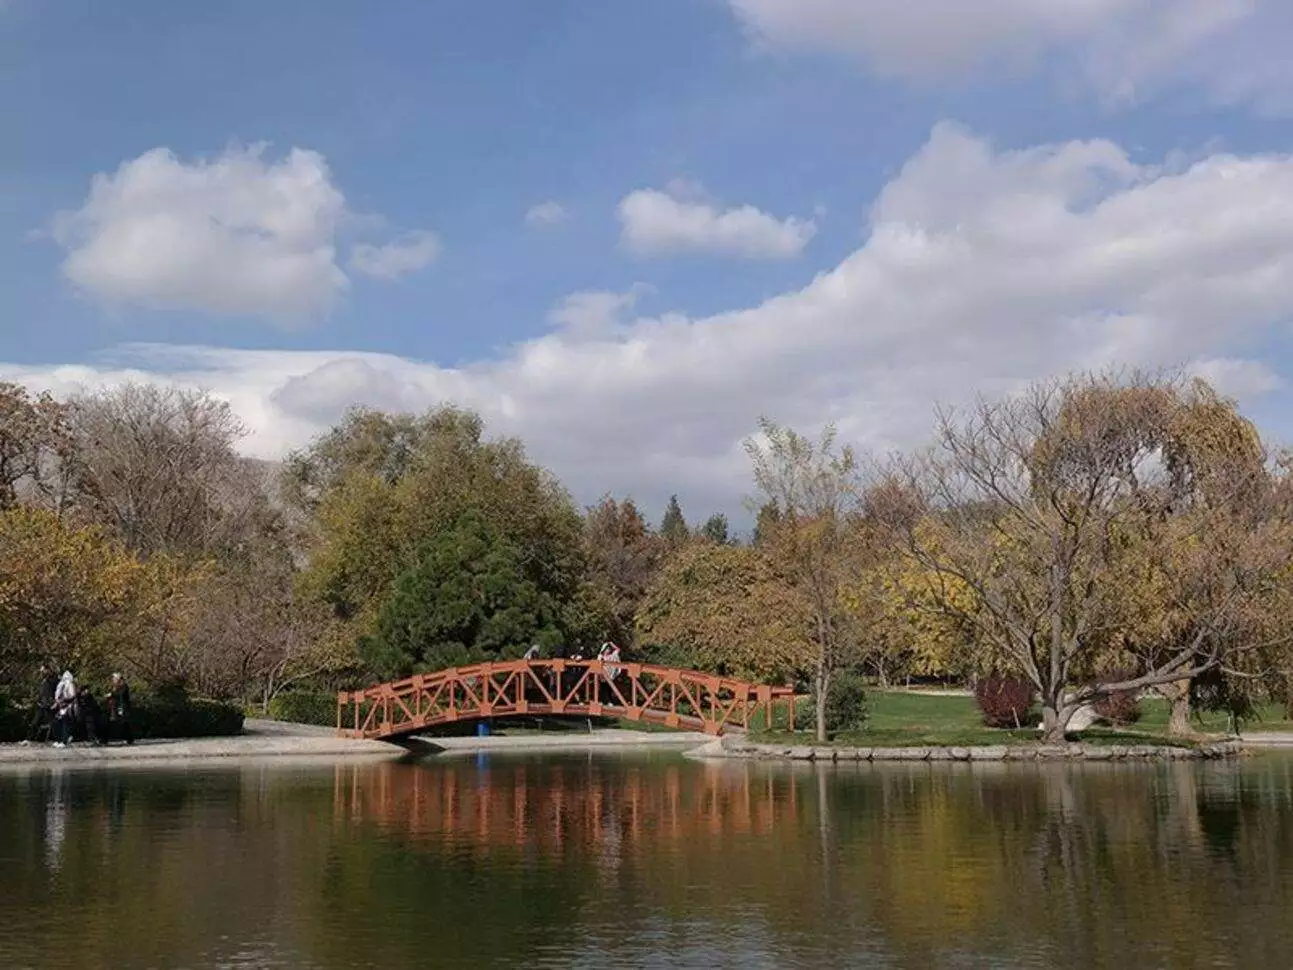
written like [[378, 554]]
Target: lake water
[[610, 861]]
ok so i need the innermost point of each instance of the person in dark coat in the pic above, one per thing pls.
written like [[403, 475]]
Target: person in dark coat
[[42, 715], [90, 715], [119, 710]]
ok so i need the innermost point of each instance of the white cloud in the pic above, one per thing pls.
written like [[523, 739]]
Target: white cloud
[[1238, 378], [594, 313], [400, 257], [654, 222], [237, 235], [1234, 49], [982, 269], [546, 214]]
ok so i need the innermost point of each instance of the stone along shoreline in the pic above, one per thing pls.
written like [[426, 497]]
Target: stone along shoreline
[[734, 746]]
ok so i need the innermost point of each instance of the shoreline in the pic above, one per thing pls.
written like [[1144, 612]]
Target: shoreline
[[264, 740], [259, 740]]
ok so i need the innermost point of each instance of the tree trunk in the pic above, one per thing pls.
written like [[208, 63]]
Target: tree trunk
[[1052, 726], [821, 683], [1056, 714], [1178, 695]]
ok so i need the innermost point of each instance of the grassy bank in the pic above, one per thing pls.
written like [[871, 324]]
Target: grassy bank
[[902, 719]]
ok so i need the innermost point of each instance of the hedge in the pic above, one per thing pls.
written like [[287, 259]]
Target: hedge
[[13, 720], [305, 707], [150, 717], [193, 717]]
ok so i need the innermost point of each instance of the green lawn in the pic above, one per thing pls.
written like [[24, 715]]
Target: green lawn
[[901, 719]]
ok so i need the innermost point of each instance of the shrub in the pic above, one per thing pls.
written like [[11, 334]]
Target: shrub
[[846, 703], [167, 716], [1121, 707], [1005, 702], [305, 707], [13, 720], [167, 713]]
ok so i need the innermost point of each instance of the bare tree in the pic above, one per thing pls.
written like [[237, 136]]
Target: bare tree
[[1044, 506], [814, 486], [34, 440], [157, 466]]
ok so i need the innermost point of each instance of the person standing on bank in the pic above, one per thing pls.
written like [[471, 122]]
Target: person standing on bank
[[90, 715], [119, 710], [64, 708], [42, 715]]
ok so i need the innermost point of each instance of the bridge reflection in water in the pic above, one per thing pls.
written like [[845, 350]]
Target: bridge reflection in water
[[556, 806]]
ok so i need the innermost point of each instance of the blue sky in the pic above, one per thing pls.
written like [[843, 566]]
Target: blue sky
[[765, 136]]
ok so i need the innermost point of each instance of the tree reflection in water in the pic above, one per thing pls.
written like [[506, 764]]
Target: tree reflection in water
[[611, 860]]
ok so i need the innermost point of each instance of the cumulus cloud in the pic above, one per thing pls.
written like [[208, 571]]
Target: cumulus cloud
[[238, 234], [1234, 49], [400, 257], [546, 214], [594, 313], [655, 222], [982, 269]]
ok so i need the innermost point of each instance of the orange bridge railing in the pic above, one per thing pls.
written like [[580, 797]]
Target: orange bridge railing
[[527, 688]]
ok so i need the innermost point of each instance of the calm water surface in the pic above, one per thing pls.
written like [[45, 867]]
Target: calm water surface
[[648, 861]]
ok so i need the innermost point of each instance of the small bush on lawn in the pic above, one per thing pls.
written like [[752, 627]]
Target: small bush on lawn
[[305, 707], [846, 702], [1005, 702], [1121, 707]]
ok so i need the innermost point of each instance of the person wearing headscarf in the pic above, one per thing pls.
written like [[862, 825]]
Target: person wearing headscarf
[[64, 708], [610, 656]]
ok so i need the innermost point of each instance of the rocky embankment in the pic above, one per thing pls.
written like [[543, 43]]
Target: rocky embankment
[[734, 746]]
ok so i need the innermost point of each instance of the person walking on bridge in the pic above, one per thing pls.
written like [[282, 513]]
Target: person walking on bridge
[[609, 656]]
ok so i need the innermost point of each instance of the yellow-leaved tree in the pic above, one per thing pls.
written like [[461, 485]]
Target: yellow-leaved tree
[[77, 598], [728, 609]]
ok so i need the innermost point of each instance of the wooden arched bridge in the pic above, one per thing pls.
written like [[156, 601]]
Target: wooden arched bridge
[[669, 696]]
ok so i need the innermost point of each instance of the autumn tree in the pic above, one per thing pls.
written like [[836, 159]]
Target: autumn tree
[[765, 522], [1036, 505], [814, 485], [253, 634], [77, 597], [728, 608], [902, 630], [623, 560]]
